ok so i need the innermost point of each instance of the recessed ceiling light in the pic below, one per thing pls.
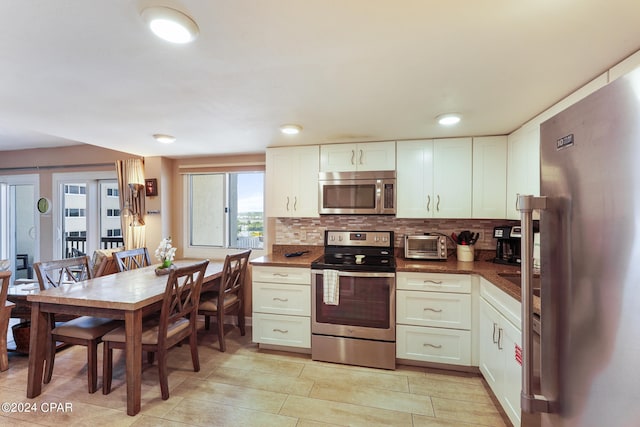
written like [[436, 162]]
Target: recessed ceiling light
[[165, 139], [170, 24], [291, 129], [449, 119]]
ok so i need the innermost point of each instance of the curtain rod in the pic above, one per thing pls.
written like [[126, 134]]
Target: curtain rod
[[37, 168]]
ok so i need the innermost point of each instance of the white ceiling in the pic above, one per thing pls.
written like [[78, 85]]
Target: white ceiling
[[78, 71]]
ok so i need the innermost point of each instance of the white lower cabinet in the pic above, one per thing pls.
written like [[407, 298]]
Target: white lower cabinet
[[500, 341], [281, 306], [433, 317]]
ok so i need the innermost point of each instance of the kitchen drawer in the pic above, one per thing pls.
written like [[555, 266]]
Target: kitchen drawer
[[437, 309], [437, 345], [439, 282], [291, 331], [281, 275], [277, 298]]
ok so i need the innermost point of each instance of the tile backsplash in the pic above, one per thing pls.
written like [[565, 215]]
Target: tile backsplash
[[310, 231]]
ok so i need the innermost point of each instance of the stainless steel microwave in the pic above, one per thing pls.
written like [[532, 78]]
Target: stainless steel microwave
[[427, 246], [353, 193]]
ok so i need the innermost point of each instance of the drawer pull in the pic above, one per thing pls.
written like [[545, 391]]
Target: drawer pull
[[432, 345], [435, 310], [435, 282], [283, 331], [281, 274], [281, 299]]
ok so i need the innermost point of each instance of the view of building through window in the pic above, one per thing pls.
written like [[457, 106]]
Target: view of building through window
[[75, 214]]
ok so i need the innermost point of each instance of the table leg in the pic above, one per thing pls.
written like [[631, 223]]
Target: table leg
[[38, 340], [133, 354]]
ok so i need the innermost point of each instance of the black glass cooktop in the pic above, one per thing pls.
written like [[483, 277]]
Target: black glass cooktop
[[353, 262]]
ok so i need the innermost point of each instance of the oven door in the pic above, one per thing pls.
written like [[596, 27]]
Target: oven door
[[366, 309]]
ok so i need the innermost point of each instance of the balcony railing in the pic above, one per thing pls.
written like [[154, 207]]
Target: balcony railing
[[76, 246]]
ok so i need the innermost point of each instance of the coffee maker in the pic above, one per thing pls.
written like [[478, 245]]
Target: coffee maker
[[508, 244]]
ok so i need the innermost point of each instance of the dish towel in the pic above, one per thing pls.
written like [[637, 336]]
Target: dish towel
[[331, 287]]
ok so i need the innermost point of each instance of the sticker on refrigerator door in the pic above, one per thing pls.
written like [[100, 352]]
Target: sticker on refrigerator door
[[564, 142]]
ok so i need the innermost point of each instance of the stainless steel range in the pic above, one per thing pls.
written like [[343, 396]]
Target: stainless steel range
[[353, 298]]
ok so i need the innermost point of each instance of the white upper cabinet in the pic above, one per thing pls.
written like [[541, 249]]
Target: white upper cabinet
[[523, 166], [366, 156], [434, 178], [292, 181], [489, 177]]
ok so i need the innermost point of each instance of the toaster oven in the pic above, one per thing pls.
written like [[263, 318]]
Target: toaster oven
[[426, 246]]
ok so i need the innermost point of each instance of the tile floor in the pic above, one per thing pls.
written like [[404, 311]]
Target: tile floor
[[250, 387]]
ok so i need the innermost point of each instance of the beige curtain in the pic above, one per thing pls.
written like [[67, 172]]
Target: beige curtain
[[131, 189]]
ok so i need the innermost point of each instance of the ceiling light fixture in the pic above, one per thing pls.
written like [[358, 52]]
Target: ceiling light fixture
[[291, 129], [170, 24], [165, 139], [449, 119]]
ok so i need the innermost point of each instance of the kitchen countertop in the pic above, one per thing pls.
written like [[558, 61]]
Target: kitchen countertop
[[483, 266]]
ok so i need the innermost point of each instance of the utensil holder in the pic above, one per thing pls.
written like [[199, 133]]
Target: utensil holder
[[465, 253]]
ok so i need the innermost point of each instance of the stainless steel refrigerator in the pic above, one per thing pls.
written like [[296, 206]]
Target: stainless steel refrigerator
[[590, 262]]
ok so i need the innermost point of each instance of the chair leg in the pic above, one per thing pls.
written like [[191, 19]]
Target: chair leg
[[223, 347], [4, 326], [51, 352], [150, 357], [162, 373], [241, 320], [92, 366], [193, 343], [107, 365]]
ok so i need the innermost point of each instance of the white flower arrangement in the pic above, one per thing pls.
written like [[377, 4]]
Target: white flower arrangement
[[165, 252]]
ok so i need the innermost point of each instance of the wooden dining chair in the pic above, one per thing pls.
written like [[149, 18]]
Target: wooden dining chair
[[230, 296], [5, 315], [177, 321], [85, 330], [132, 259]]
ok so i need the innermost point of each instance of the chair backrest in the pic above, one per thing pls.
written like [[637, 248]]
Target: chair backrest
[[233, 276], [5, 278], [132, 259], [55, 273], [181, 297], [107, 266]]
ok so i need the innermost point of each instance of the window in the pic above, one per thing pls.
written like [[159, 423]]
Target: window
[[113, 212], [115, 232], [74, 212], [113, 192], [226, 210], [75, 189]]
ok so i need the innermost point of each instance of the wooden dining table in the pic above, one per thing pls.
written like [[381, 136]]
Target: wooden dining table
[[129, 296]]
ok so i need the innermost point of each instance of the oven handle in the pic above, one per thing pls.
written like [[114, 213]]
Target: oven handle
[[358, 273]]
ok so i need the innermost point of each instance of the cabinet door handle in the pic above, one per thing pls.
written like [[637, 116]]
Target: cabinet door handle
[[361, 155], [295, 203], [428, 203], [432, 345], [353, 157], [438, 204], [281, 274], [282, 331], [435, 310], [495, 325], [435, 282], [287, 203], [499, 338]]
